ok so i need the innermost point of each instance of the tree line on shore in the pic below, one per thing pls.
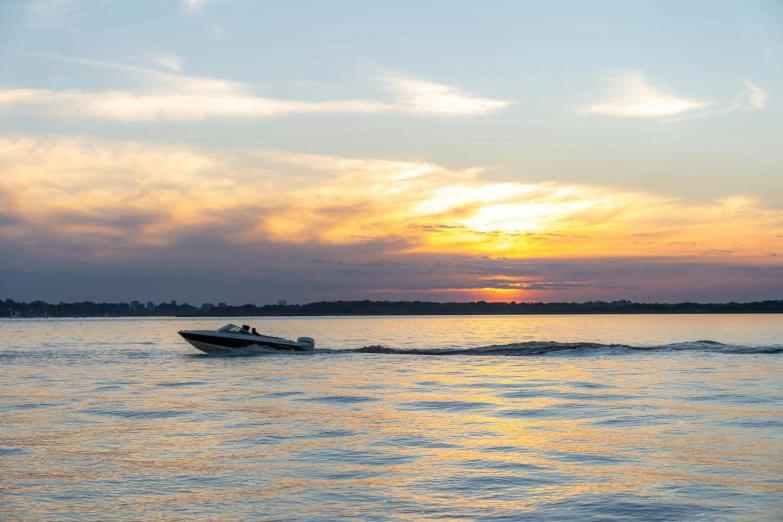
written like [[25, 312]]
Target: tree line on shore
[[37, 309]]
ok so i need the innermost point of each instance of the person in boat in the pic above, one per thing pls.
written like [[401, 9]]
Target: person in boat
[[247, 329]]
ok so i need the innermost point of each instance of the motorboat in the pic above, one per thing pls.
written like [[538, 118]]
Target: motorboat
[[235, 340]]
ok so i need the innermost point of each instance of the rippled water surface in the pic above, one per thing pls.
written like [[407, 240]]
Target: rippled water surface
[[647, 417]]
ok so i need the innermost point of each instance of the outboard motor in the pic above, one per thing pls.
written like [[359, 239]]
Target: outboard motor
[[306, 342]]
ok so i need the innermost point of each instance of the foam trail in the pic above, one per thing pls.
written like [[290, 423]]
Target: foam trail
[[548, 347]]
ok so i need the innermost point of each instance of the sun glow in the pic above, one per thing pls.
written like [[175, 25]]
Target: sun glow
[[515, 219]]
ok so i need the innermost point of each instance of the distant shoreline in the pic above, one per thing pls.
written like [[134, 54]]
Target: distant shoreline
[[38, 309]]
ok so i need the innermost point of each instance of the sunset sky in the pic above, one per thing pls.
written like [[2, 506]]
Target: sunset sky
[[249, 151]]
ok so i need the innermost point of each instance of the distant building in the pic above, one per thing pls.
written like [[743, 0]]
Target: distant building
[[282, 302], [207, 306], [221, 304]]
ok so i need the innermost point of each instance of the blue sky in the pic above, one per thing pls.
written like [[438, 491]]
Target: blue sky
[[620, 105]]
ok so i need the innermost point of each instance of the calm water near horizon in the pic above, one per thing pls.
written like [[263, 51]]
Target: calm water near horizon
[[660, 417]]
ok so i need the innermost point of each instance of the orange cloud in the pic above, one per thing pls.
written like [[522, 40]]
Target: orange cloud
[[111, 196]]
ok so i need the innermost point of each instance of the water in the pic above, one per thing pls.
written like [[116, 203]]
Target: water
[[105, 419]]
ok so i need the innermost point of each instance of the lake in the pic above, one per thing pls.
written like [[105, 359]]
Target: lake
[[601, 417]]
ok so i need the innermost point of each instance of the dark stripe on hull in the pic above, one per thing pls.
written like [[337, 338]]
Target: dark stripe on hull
[[232, 343]]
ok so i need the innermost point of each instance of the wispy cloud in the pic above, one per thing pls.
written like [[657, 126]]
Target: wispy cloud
[[753, 98], [193, 5], [757, 97], [186, 104], [167, 60], [168, 96], [195, 8], [422, 97], [632, 96]]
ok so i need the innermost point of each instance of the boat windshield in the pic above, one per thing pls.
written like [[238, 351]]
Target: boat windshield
[[233, 329]]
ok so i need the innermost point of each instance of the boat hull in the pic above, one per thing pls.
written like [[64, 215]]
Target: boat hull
[[225, 345]]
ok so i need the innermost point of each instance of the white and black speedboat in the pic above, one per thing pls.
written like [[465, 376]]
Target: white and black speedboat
[[233, 340]]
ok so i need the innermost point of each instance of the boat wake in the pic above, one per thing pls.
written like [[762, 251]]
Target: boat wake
[[552, 347]]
